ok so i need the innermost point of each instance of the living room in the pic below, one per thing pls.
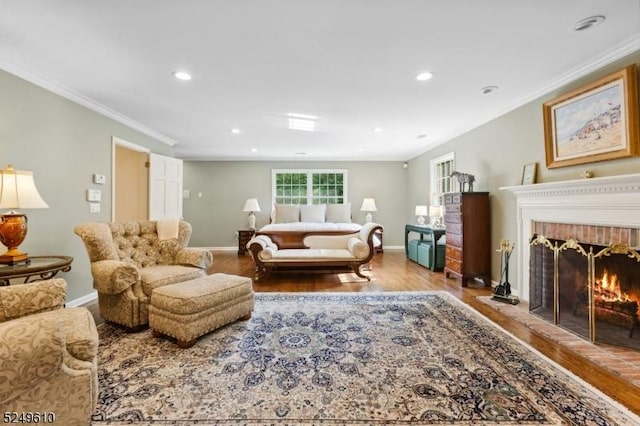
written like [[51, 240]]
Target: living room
[[47, 129]]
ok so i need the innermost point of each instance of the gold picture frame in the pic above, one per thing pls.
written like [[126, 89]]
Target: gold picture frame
[[529, 174], [597, 122]]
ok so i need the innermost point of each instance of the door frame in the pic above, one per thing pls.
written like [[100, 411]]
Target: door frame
[[126, 144]]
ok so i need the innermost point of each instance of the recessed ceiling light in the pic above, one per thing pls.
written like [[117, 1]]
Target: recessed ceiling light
[[301, 153], [424, 76], [377, 130], [302, 122], [488, 89], [235, 130], [421, 136], [182, 75], [586, 23], [254, 149]]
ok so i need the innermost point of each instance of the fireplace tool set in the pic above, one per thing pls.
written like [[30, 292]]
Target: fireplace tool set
[[502, 292]]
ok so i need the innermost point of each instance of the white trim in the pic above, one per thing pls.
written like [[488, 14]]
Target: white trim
[[80, 99], [610, 201], [83, 300]]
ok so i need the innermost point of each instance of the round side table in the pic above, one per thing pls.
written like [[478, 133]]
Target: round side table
[[39, 268]]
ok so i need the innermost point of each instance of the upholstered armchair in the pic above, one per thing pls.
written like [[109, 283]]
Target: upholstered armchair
[[129, 260], [47, 353]]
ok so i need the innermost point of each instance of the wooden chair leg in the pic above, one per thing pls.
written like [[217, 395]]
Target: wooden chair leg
[[186, 345], [246, 317]]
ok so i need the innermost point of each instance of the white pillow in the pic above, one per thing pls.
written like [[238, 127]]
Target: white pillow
[[312, 213], [287, 213], [339, 213]]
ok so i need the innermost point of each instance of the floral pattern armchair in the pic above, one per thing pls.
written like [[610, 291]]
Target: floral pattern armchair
[[47, 353], [129, 260]]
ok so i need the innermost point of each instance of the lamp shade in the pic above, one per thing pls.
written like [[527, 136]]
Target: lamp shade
[[421, 210], [251, 205], [435, 211], [18, 190], [368, 205]]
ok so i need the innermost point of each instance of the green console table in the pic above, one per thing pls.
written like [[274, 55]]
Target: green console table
[[431, 231]]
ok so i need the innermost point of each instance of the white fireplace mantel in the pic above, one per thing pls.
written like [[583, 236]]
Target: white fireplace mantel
[[610, 201]]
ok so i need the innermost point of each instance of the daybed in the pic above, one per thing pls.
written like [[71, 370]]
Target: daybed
[[295, 226], [353, 250]]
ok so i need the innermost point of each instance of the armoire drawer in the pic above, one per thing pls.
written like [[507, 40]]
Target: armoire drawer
[[454, 265], [454, 240], [453, 252]]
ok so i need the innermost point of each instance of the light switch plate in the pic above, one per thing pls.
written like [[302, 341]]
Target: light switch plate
[[99, 179], [94, 207], [94, 195]]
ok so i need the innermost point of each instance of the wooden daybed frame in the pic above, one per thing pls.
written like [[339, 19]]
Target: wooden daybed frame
[[264, 267]]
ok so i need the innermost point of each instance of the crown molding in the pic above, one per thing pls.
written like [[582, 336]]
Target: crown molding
[[619, 51], [80, 99]]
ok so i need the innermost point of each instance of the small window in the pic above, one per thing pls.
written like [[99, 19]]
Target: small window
[[441, 181]]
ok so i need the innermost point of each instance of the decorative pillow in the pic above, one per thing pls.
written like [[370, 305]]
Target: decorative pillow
[[339, 213], [287, 213], [312, 213]]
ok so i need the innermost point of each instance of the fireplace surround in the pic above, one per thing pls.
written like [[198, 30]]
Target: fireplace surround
[[575, 231], [607, 209]]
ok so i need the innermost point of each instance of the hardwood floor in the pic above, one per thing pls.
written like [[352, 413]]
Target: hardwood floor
[[392, 272]]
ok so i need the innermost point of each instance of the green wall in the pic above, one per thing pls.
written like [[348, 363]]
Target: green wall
[[64, 144], [496, 153], [225, 185]]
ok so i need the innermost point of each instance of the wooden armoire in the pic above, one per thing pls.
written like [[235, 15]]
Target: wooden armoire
[[468, 249]]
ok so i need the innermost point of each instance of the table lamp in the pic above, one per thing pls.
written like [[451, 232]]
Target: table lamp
[[368, 205], [251, 206], [435, 213], [421, 212], [17, 191]]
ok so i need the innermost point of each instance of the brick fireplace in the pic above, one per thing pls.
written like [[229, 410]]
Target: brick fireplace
[[574, 274], [599, 211]]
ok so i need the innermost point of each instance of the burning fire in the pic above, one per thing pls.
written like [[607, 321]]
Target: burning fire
[[607, 288]]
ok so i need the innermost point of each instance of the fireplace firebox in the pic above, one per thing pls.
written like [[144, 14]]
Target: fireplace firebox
[[589, 289]]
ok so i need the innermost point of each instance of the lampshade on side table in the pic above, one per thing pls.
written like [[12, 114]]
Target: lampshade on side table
[[251, 206], [368, 206], [17, 191]]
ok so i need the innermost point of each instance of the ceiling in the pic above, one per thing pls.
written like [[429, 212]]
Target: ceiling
[[350, 63]]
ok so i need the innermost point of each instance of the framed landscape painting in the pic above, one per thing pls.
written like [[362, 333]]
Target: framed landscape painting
[[596, 122]]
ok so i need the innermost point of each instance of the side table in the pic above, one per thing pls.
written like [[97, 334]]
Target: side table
[[38, 268], [244, 236]]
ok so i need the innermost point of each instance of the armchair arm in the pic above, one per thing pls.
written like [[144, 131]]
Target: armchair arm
[[33, 349], [25, 299], [200, 258], [114, 276]]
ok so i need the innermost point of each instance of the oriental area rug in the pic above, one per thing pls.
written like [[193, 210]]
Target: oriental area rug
[[344, 359]]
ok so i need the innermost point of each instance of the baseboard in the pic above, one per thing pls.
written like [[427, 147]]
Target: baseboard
[[83, 300]]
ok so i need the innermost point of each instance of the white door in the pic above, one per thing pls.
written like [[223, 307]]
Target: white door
[[165, 187]]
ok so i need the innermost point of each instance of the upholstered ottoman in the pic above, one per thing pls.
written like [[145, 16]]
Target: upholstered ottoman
[[190, 309]]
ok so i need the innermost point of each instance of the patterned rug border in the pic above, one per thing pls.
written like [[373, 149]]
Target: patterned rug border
[[406, 296]]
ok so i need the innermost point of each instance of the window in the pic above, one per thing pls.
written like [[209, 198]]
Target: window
[[309, 186], [441, 181]]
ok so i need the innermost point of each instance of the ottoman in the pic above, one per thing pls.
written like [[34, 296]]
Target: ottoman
[[190, 309]]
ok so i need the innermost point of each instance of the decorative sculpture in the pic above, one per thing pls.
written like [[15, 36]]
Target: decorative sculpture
[[464, 179]]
